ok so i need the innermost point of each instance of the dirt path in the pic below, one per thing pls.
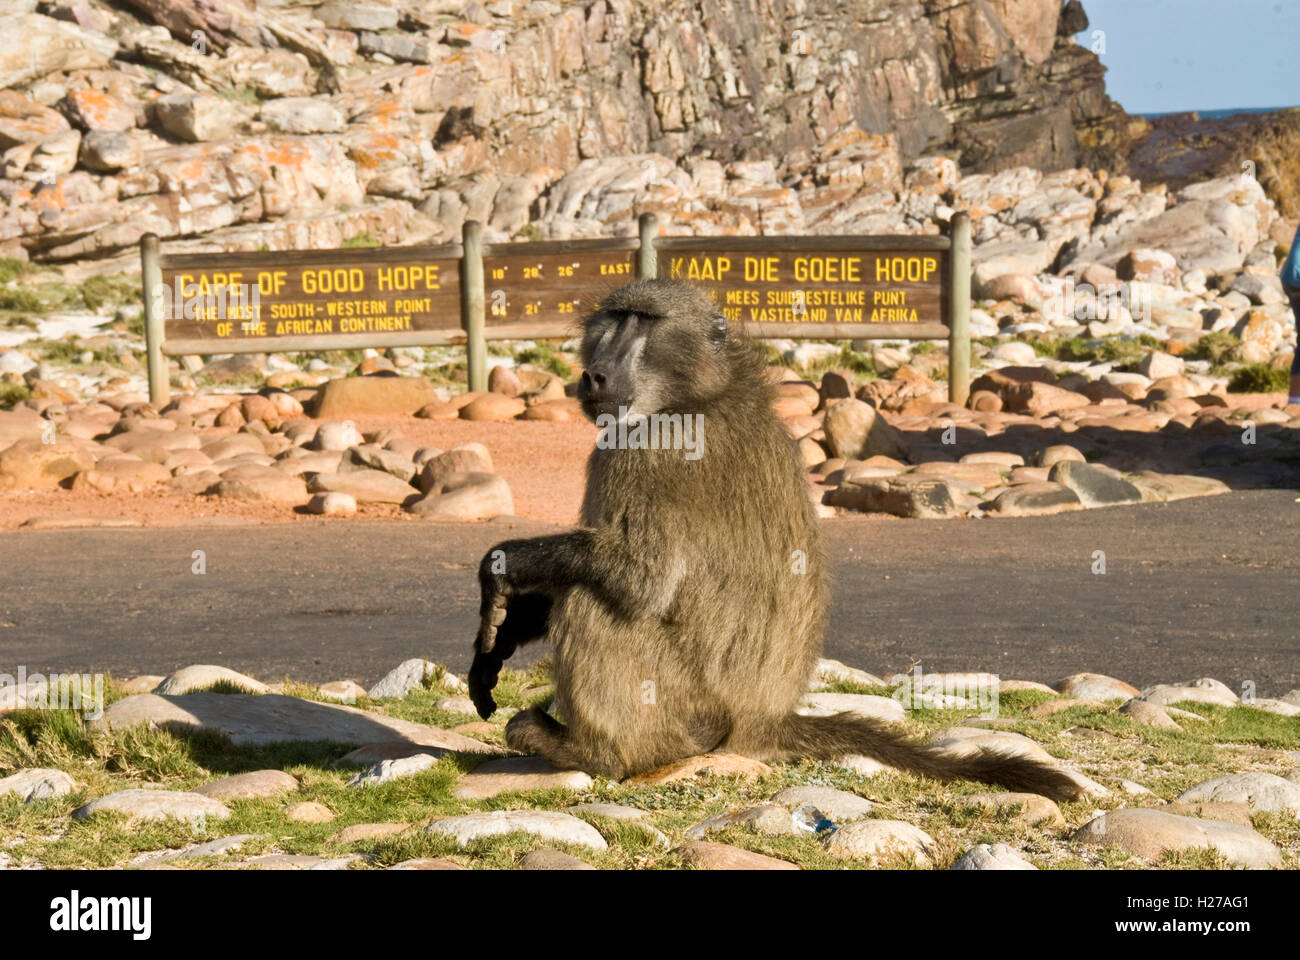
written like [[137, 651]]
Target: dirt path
[[1203, 587]]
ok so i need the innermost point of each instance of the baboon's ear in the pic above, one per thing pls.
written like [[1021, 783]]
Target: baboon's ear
[[718, 329]]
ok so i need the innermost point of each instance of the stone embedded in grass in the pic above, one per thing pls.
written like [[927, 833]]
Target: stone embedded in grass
[[863, 766], [294, 861], [547, 859], [720, 856], [203, 676], [881, 842], [831, 671], [254, 719], [1212, 810], [386, 771], [308, 811], [1164, 694], [342, 691], [1259, 791], [718, 764], [839, 806], [549, 825], [1051, 707], [615, 811], [968, 741], [37, 783], [992, 856], [1095, 686], [862, 704], [1149, 715], [146, 683], [243, 786], [404, 678], [212, 848], [518, 773], [369, 831], [155, 805], [1281, 707], [768, 819], [1027, 808], [458, 705], [373, 753], [428, 863], [1151, 833]]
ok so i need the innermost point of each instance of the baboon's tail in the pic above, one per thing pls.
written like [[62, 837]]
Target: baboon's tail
[[824, 738]]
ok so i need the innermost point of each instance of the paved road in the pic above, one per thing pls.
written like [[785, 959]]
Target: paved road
[[1200, 587]]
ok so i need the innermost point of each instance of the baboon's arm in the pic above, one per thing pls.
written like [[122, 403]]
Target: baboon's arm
[[519, 580], [636, 585]]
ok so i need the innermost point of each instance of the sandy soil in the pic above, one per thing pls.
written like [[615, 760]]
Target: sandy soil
[[543, 463]]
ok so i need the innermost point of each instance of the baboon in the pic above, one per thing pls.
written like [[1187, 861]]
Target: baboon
[[687, 612]]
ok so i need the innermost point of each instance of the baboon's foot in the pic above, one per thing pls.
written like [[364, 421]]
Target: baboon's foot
[[536, 731]]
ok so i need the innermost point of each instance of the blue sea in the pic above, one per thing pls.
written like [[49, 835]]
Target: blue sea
[[1215, 114]]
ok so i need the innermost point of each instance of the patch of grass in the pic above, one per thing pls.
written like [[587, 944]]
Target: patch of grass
[[101, 292], [360, 240], [1215, 347], [545, 357], [1258, 378], [861, 364], [11, 269], [12, 394], [530, 232], [241, 94], [1166, 761], [21, 300]]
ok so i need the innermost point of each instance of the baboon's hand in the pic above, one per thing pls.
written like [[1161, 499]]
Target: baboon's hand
[[482, 678]]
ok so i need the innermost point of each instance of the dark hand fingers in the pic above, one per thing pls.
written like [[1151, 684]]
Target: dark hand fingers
[[483, 675]]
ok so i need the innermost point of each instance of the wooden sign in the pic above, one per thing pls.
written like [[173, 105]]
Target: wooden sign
[[819, 286], [242, 297], [552, 284], [472, 292]]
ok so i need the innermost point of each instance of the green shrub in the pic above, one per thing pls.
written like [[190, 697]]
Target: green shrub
[[1259, 378], [1214, 347], [12, 394], [544, 357]]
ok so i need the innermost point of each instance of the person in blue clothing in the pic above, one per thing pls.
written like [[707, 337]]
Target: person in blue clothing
[[1291, 284]]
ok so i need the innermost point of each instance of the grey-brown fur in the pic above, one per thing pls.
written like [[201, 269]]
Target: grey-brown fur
[[687, 612]]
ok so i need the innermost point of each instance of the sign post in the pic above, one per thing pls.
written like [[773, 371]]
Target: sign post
[[959, 312], [472, 304], [820, 287], [154, 319]]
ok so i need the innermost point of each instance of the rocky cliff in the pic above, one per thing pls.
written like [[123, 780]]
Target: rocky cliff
[[245, 125]]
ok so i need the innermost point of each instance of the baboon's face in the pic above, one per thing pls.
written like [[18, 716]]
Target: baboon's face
[[640, 363]]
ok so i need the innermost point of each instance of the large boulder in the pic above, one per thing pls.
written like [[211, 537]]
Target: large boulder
[[374, 394], [855, 430]]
